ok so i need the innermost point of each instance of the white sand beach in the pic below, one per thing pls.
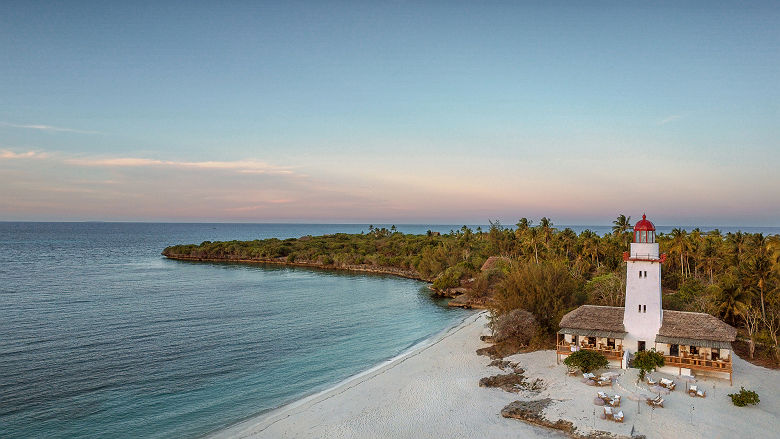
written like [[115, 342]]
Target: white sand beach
[[434, 392]]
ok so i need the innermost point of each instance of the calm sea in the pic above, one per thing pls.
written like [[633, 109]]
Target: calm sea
[[100, 336]]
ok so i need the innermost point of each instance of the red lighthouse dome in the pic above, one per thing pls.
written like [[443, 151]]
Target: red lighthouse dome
[[644, 231]]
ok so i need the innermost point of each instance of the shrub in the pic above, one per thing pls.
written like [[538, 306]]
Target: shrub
[[547, 290], [744, 397], [586, 360], [646, 361], [518, 324], [449, 279]]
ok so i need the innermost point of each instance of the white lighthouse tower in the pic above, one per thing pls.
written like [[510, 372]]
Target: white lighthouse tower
[[643, 314]]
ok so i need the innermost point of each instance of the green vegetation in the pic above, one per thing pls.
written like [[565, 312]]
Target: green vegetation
[[734, 276], [586, 361], [744, 397], [517, 325], [647, 361]]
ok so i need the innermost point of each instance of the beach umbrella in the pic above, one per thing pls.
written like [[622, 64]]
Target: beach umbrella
[[688, 379], [638, 398], [659, 390]]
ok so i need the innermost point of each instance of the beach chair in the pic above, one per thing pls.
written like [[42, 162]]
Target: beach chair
[[618, 417], [604, 397], [668, 384], [657, 402], [692, 390], [701, 393], [651, 382], [589, 376], [615, 402], [608, 413]]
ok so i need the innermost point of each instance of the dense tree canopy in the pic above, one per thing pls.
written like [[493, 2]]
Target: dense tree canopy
[[549, 271]]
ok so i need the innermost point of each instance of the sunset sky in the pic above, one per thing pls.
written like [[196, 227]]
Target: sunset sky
[[450, 112]]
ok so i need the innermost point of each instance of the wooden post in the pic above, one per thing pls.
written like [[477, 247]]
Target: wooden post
[[557, 355]]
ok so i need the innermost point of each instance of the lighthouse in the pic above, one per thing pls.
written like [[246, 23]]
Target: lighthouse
[[643, 314], [689, 341]]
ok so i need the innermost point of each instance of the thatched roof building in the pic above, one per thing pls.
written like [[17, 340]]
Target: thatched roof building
[[694, 328], [594, 321], [493, 261], [678, 327]]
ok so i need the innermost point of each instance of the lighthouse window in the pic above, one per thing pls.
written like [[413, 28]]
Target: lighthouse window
[[644, 308], [640, 308]]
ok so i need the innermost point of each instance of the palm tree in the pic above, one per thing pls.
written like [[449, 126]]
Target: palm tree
[[758, 273], [523, 224], [732, 301], [695, 241], [547, 230], [773, 245], [568, 239], [590, 246], [679, 245], [737, 244], [709, 255], [621, 227], [532, 237]]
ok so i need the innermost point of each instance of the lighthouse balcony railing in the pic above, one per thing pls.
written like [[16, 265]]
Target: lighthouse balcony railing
[[650, 257]]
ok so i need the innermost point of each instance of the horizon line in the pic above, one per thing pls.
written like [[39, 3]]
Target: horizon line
[[555, 226]]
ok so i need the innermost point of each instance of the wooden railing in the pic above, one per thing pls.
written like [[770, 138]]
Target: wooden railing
[[565, 349], [698, 363]]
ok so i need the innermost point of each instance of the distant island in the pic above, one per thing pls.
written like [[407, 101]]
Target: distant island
[[546, 271]]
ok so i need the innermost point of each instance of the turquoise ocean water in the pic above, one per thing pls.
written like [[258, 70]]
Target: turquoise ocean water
[[100, 336]]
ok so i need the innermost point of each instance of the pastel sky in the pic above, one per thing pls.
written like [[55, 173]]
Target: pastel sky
[[406, 112]]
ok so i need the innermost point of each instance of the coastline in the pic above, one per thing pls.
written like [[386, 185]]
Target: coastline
[[434, 390], [408, 274], [264, 420], [356, 406]]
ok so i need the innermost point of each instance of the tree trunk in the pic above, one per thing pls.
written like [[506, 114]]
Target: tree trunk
[[763, 312], [751, 346]]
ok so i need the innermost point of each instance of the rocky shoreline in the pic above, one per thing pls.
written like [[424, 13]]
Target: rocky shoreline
[[459, 296]]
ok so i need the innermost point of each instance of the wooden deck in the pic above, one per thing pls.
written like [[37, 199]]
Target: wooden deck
[[699, 364], [611, 354]]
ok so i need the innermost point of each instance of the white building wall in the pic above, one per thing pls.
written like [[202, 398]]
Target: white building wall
[[643, 313]]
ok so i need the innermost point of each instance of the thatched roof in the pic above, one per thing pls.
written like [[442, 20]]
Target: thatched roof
[[493, 261], [595, 318], [695, 326], [592, 333], [693, 342], [678, 327]]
